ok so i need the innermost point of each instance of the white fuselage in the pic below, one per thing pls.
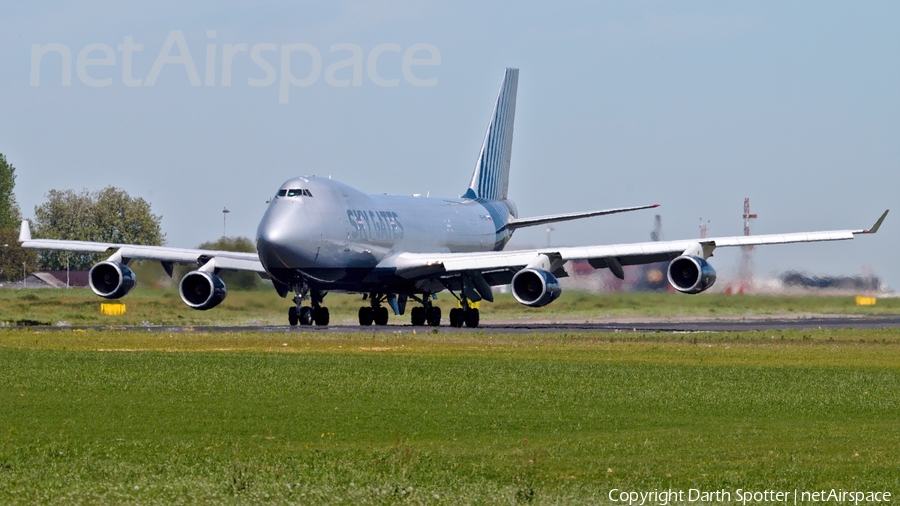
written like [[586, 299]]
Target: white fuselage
[[333, 236]]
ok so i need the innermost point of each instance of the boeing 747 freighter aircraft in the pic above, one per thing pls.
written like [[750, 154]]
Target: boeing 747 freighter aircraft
[[318, 235]]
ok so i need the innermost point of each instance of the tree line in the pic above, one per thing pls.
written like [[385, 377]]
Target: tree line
[[12, 257], [108, 215]]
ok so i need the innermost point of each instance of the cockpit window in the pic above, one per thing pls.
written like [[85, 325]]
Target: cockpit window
[[298, 192], [281, 193]]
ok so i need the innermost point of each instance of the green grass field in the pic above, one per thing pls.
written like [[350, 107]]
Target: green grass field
[[441, 418], [156, 306]]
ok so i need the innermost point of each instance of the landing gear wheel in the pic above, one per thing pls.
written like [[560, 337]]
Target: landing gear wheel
[[417, 316], [433, 315], [366, 316], [456, 317], [381, 316], [320, 316], [306, 316], [472, 318], [293, 317]]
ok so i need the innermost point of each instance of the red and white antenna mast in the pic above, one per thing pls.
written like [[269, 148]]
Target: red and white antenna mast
[[747, 217], [745, 270]]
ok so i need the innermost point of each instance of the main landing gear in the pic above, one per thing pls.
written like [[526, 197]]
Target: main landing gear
[[307, 315], [467, 314], [426, 314], [374, 312]]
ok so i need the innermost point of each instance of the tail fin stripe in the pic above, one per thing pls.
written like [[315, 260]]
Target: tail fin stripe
[[498, 152], [504, 144], [487, 162], [497, 155], [495, 149], [490, 180], [491, 162]]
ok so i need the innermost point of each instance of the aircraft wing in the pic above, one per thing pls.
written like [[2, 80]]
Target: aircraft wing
[[490, 265], [555, 218], [229, 260]]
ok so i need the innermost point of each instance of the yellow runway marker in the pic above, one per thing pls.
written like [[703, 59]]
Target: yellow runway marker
[[111, 309]]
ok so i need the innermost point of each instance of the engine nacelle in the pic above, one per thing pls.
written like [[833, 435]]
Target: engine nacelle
[[111, 280], [690, 274], [535, 287], [202, 290]]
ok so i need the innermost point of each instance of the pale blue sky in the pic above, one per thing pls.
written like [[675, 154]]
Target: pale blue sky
[[694, 105]]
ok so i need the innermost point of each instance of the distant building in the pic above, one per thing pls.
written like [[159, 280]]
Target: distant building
[[52, 279], [849, 283]]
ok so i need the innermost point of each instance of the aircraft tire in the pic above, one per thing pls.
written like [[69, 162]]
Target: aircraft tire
[[293, 317], [433, 315], [381, 316], [306, 316], [456, 317], [472, 318], [366, 316], [417, 316], [321, 316]]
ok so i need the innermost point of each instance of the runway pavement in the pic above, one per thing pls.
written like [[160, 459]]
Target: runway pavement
[[512, 327]]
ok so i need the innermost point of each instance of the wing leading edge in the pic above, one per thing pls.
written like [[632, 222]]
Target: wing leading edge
[[229, 260], [427, 265]]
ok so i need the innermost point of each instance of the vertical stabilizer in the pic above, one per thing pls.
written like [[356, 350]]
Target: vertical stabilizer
[[491, 178], [25, 231]]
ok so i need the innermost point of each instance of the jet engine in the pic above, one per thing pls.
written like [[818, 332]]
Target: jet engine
[[202, 290], [111, 280], [535, 287], [690, 274]]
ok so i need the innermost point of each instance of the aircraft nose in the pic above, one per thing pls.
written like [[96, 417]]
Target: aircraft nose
[[271, 242]]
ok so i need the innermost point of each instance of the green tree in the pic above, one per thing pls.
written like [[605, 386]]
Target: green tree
[[239, 280], [109, 215], [12, 256], [9, 210]]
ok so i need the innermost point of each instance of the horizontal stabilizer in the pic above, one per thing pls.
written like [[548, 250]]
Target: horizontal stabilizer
[[554, 218]]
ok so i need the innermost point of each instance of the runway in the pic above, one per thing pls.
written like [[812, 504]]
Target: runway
[[513, 327]]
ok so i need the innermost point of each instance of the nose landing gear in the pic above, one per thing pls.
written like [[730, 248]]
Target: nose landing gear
[[301, 316], [307, 315]]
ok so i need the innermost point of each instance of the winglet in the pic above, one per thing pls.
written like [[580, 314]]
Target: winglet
[[25, 231], [877, 224]]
